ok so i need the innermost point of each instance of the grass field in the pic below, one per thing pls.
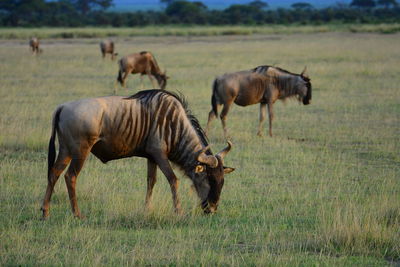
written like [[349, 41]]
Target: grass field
[[323, 191], [189, 30]]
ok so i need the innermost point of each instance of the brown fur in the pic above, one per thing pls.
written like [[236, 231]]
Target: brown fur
[[153, 124], [143, 63], [264, 85], [34, 45], [108, 47]]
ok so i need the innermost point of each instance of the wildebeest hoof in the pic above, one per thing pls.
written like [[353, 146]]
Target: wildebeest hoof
[[45, 214], [179, 212], [80, 217], [209, 212]]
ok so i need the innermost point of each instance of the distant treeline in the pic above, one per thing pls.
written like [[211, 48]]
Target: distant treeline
[[66, 13]]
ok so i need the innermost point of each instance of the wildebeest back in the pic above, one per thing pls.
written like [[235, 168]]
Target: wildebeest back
[[120, 128]]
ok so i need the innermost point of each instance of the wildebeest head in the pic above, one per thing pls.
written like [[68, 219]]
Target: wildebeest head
[[209, 178], [162, 79], [304, 88]]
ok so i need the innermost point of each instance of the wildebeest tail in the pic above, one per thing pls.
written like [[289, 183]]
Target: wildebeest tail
[[214, 103], [51, 157], [119, 79]]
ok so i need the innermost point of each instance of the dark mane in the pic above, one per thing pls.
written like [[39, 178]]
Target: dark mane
[[154, 61], [264, 68], [146, 95]]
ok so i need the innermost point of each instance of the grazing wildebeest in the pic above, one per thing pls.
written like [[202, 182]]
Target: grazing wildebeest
[[143, 63], [108, 47], [34, 45], [264, 85], [154, 124]]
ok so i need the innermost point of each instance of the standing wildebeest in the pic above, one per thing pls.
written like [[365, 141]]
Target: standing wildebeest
[[34, 45], [264, 85], [154, 124], [143, 63], [108, 47]]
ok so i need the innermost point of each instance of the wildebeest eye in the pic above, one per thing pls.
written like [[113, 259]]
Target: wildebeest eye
[[199, 169]]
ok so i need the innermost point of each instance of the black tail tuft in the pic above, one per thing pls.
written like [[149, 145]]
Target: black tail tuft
[[119, 79], [51, 158], [214, 103]]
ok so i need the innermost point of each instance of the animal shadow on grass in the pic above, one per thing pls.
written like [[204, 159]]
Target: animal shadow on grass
[[301, 140]]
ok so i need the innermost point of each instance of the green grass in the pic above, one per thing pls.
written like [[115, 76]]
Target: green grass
[[323, 191], [189, 30]]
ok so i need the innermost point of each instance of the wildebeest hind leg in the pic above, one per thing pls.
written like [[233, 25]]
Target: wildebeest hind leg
[[262, 118], [61, 163], [124, 79], [151, 180], [70, 179], [224, 112], [211, 117]]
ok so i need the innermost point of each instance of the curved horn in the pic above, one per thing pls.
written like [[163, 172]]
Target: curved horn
[[225, 151], [304, 71], [208, 159]]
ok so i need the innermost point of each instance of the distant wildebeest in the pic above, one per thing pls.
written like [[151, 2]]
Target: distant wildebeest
[[154, 124], [264, 85], [143, 63], [108, 47], [34, 45]]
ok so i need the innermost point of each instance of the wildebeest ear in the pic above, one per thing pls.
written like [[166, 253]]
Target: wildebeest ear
[[199, 168], [228, 170]]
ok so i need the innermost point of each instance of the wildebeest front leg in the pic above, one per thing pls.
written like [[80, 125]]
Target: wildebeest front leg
[[263, 108], [166, 168], [70, 179], [141, 82], [152, 80], [151, 180], [271, 117], [61, 163]]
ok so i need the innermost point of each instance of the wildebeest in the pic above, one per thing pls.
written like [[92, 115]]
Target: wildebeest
[[108, 47], [154, 124], [143, 63], [34, 45], [264, 85]]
